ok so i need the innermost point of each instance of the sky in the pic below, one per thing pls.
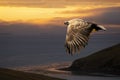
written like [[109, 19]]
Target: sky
[[35, 16], [37, 27], [52, 11]]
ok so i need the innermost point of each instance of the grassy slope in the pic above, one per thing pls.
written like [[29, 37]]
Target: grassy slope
[[106, 61], [7, 74]]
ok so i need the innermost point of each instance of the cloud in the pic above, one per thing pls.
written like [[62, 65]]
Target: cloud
[[18, 28], [107, 16], [36, 3], [55, 3], [83, 11]]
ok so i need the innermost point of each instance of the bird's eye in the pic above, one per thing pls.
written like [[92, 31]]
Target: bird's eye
[[66, 23]]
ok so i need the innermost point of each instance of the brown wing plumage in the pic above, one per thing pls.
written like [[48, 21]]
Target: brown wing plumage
[[77, 37]]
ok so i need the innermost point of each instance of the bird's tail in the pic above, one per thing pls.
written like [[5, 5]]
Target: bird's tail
[[101, 27], [98, 27]]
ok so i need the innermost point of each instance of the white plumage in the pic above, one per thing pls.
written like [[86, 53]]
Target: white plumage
[[78, 31]]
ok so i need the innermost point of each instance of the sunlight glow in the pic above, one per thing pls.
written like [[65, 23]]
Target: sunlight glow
[[27, 14], [43, 15]]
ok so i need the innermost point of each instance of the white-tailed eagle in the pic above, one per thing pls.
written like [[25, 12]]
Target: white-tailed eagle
[[78, 31]]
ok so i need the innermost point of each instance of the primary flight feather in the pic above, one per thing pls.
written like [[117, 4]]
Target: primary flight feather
[[78, 31]]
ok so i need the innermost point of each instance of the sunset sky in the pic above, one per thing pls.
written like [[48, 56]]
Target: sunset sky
[[52, 11], [33, 31]]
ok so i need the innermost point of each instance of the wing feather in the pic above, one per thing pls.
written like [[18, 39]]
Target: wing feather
[[77, 37]]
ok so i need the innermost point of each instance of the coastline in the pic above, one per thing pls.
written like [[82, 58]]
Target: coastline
[[10, 74], [58, 68], [54, 68]]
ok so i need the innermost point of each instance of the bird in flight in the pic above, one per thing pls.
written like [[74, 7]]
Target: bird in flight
[[78, 32]]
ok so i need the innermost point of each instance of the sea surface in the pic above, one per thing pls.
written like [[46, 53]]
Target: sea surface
[[82, 77], [17, 50]]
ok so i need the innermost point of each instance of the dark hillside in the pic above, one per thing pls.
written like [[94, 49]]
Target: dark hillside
[[104, 61], [7, 74]]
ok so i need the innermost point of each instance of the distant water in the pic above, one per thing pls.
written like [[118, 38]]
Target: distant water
[[77, 77], [25, 50]]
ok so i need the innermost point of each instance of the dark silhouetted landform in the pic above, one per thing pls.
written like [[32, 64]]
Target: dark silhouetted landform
[[106, 61], [7, 74]]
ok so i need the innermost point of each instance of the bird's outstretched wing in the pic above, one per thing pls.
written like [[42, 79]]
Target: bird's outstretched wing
[[77, 37]]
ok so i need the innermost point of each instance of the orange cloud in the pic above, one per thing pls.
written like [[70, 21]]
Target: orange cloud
[[106, 16], [31, 14], [43, 11], [56, 3]]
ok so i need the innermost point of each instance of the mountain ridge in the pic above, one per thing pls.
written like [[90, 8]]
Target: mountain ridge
[[105, 61]]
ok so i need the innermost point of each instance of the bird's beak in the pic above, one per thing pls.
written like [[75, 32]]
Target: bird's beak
[[66, 23], [101, 27]]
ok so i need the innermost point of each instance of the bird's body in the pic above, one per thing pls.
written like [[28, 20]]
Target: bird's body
[[78, 32]]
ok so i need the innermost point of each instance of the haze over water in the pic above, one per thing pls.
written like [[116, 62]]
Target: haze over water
[[21, 50]]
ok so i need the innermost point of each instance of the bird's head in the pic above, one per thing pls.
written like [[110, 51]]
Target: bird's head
[[73, 22], [66, 23]]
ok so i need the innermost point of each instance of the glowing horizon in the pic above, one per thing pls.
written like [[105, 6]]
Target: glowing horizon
[[25, 11]]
